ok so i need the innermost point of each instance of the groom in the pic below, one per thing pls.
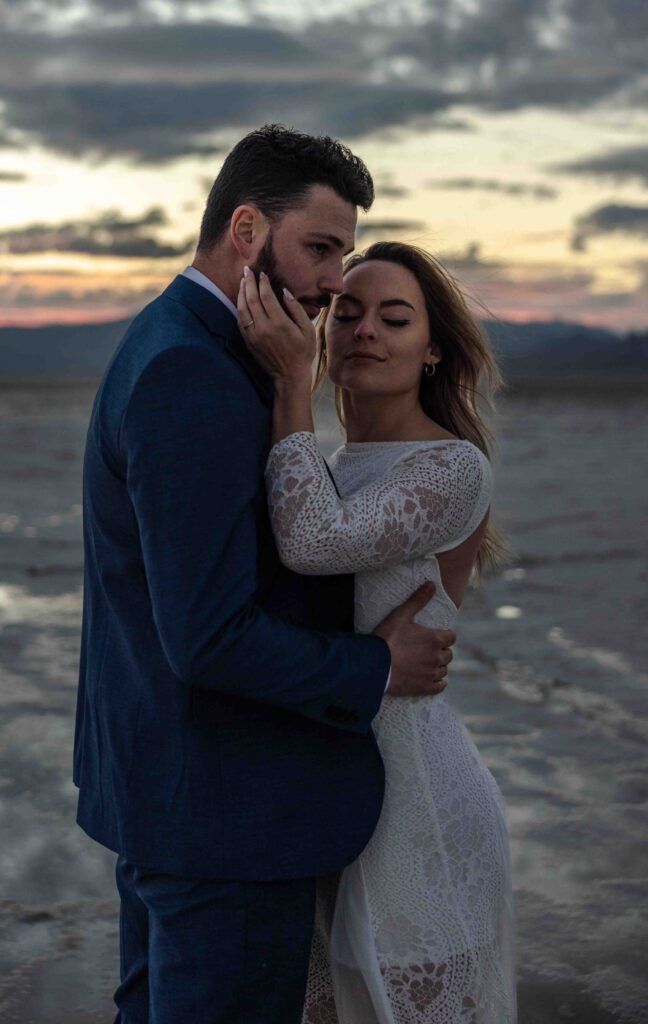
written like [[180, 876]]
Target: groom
[[223, 746]]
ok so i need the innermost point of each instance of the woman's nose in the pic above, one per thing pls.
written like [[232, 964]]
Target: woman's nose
[[365, 329]]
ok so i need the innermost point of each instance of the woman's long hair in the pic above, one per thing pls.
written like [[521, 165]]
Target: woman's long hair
[[466, 378]]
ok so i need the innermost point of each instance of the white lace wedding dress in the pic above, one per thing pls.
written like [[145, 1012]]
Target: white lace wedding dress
[[418, 930]]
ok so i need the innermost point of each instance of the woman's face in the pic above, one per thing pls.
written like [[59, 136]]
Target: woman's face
[[377, 331]]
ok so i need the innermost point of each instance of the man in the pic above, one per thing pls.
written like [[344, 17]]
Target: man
[[223, 744]]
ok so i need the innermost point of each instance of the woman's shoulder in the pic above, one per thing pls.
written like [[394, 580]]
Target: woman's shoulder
[[445, 451], [455, 467], [394, 455]]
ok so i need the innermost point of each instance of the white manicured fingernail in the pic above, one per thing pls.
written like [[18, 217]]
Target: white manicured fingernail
[[289, 295], [246, 270]]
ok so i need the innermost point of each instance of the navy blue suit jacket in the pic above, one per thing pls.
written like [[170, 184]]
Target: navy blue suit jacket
[[223, 720]]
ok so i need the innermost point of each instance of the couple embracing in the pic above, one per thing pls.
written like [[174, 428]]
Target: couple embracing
[[305, 831]]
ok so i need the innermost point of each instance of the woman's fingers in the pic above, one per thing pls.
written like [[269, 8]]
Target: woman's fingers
[[257, 312], [269, 300], [242, 306], [276, 312], [298, 313], [278, 337]]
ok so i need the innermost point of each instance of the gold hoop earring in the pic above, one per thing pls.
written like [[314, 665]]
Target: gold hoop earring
[[429, 372]]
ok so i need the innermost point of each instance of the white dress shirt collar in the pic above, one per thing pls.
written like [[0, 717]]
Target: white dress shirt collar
[[199, 278]]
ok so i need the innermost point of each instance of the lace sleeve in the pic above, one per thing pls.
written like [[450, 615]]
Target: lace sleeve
[[430, 501]]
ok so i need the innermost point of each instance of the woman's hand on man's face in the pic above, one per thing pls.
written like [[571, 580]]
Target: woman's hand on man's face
[[283, 343]]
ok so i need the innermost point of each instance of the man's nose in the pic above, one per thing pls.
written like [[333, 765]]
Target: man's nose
[[334, 281]]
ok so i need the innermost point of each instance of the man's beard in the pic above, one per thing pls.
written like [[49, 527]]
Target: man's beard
[[267, 262]]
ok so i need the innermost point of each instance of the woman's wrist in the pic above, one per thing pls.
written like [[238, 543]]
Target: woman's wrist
[[292, 406], [296, 382]]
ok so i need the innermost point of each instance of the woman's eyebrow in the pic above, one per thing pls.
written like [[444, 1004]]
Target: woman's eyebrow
[[348, 297], [397, 302]]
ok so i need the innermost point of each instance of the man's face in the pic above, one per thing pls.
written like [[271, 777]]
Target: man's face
[[304, 250]]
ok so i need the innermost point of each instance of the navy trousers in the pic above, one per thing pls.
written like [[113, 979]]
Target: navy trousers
[[204, 951]]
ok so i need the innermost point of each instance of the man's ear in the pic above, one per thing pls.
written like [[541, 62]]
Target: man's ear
[[248, 228]]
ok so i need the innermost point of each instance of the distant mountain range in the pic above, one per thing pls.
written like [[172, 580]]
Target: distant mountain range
[[523, 349], [60, 350]]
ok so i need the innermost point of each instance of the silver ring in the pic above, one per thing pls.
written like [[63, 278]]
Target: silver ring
[[251, 324]]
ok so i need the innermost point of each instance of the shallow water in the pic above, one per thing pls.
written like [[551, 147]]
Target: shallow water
[[551, 675]]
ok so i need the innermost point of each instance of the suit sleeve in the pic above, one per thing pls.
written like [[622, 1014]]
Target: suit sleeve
[[192, 473]]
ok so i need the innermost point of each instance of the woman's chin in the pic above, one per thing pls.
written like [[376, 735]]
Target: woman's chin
[[361, 375], [353, 385]]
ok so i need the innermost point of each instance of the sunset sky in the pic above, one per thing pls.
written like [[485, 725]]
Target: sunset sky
[[509, 137]]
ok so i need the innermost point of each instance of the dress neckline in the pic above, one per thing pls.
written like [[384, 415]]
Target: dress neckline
[[358, 446]]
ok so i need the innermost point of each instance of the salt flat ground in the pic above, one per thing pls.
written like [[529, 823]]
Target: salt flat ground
[[551, 676]]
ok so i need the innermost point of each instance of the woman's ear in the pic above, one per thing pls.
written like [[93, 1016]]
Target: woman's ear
[[433, 355]]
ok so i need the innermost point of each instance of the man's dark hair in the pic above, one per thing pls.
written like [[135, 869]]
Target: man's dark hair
[[274, 167]]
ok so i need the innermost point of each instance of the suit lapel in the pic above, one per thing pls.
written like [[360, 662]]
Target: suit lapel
[[220, 322], [238, 349]]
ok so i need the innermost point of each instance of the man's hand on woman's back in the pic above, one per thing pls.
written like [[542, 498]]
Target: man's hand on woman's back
[[420, 656]]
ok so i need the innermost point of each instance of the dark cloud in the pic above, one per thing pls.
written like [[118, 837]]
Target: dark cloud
[[387, 188], [508, 188], [551, 83], [393, 192], [146, 52], [507, 55], [12, 176], [462, 36], [108, 235], [125, 83], [388, 228], [619, 164], [154, 122], [470, 259], [612, 218]]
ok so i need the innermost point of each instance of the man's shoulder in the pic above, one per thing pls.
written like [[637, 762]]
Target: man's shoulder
[[159, 334], [164, 324]]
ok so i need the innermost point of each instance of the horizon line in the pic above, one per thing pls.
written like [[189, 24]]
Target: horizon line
[[71, 318]]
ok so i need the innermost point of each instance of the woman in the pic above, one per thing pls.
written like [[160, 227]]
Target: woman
[[418, 929]]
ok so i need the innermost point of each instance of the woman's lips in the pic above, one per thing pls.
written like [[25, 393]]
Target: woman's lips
[[365, 355]]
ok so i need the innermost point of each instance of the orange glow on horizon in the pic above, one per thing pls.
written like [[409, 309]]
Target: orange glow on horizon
[[56, 317]]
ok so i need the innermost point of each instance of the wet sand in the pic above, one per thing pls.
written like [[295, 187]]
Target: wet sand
[[551, 675]]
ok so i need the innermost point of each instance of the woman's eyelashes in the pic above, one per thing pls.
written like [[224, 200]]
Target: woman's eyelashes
[[392, 323]]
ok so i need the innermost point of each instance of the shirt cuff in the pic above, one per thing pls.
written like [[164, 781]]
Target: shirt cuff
[[388, 681]]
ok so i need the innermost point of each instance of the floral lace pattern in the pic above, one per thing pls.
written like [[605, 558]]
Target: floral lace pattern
[[418, 930], [429, 497]]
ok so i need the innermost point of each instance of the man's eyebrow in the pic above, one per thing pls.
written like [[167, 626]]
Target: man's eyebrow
[[334, 240], [388, 302]]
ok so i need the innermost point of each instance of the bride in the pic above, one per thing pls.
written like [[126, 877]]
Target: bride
[[417, 930]]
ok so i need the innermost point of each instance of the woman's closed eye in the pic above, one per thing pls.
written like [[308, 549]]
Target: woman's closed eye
[[392, 323]]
